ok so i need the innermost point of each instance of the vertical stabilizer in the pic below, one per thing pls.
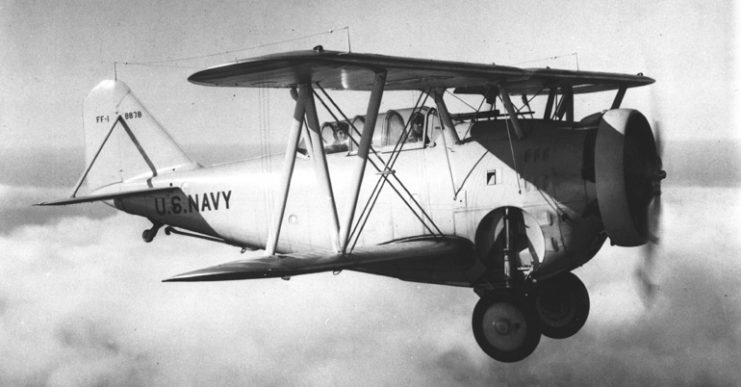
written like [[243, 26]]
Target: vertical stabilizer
[[124, 139]]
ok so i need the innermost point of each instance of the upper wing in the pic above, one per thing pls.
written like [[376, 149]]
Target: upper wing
[[283, 265], [352, 71]]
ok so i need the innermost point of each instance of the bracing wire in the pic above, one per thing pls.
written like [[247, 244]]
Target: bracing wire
[[239, 50], [386, 171], [463, 101], [574, 54], [388, 168], [370, 160]]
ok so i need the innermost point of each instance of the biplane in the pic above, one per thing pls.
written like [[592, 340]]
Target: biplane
[[506, 199]]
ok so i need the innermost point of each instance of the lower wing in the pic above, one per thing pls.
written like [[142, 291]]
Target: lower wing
[[286, 265]]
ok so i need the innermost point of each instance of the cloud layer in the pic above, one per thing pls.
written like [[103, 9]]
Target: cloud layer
[[81, 303]]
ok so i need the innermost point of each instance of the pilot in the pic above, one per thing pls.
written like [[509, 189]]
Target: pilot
[[341, 139], [341, 136], [417, 129]]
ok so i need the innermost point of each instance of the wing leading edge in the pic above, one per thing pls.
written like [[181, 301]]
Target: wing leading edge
[[286, 265]]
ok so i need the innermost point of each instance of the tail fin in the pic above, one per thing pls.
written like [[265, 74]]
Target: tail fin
[[123, 139]]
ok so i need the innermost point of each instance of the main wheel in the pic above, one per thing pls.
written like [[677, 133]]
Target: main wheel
[[505, 327], [562, 306]]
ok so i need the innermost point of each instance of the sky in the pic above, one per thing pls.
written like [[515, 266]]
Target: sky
[[81, 302], [54, 53]]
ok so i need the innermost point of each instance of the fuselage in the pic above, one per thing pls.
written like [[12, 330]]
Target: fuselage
[[545, 178]]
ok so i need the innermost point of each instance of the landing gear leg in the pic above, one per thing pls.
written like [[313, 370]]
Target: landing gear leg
[[149, 234], [505, 326]]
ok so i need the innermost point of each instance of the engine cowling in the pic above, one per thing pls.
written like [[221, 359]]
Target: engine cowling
[[627, 175]]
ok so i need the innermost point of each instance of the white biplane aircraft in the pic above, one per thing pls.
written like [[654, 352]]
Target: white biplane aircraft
[[505, 202]]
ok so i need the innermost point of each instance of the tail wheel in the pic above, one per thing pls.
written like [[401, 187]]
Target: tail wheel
[[505, 327], [562, 306], [148, 235]]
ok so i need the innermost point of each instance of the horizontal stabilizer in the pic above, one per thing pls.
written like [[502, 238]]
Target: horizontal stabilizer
[[286, 265], [107, 196]]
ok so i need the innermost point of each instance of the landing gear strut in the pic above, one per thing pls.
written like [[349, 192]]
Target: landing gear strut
[[505, 326], [149, 234], [504, 321]]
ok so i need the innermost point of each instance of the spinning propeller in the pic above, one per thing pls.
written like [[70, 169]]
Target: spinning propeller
[[628, 174]]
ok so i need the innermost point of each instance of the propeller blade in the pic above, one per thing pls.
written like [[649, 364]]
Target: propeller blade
[[647, 287], [654, 221], [646, 272], [658, 140]]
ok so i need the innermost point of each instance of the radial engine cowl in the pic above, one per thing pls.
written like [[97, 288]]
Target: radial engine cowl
[[627, 175]]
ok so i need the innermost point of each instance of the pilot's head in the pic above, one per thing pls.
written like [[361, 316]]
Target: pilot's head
[[417, 127]]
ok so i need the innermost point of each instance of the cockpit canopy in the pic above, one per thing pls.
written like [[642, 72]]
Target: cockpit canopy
[[423, 127]]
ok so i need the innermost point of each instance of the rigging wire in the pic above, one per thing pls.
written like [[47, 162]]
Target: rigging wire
[[470, 124], [470, 171], [275, 43], [372, 150], [444, 134], [574, 54], [169, 66], [387, 169], [264, 147], [462, 100], [364, 213]]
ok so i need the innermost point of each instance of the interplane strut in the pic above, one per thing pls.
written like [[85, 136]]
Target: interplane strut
[[363, 148], [320, 162], [294, 135]]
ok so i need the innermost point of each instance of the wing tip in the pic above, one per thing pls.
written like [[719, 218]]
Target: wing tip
[[192, 277], [175, 279], [60, 202]]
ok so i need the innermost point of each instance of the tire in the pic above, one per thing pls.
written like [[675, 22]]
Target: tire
[[562, 306], [505, 327]]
